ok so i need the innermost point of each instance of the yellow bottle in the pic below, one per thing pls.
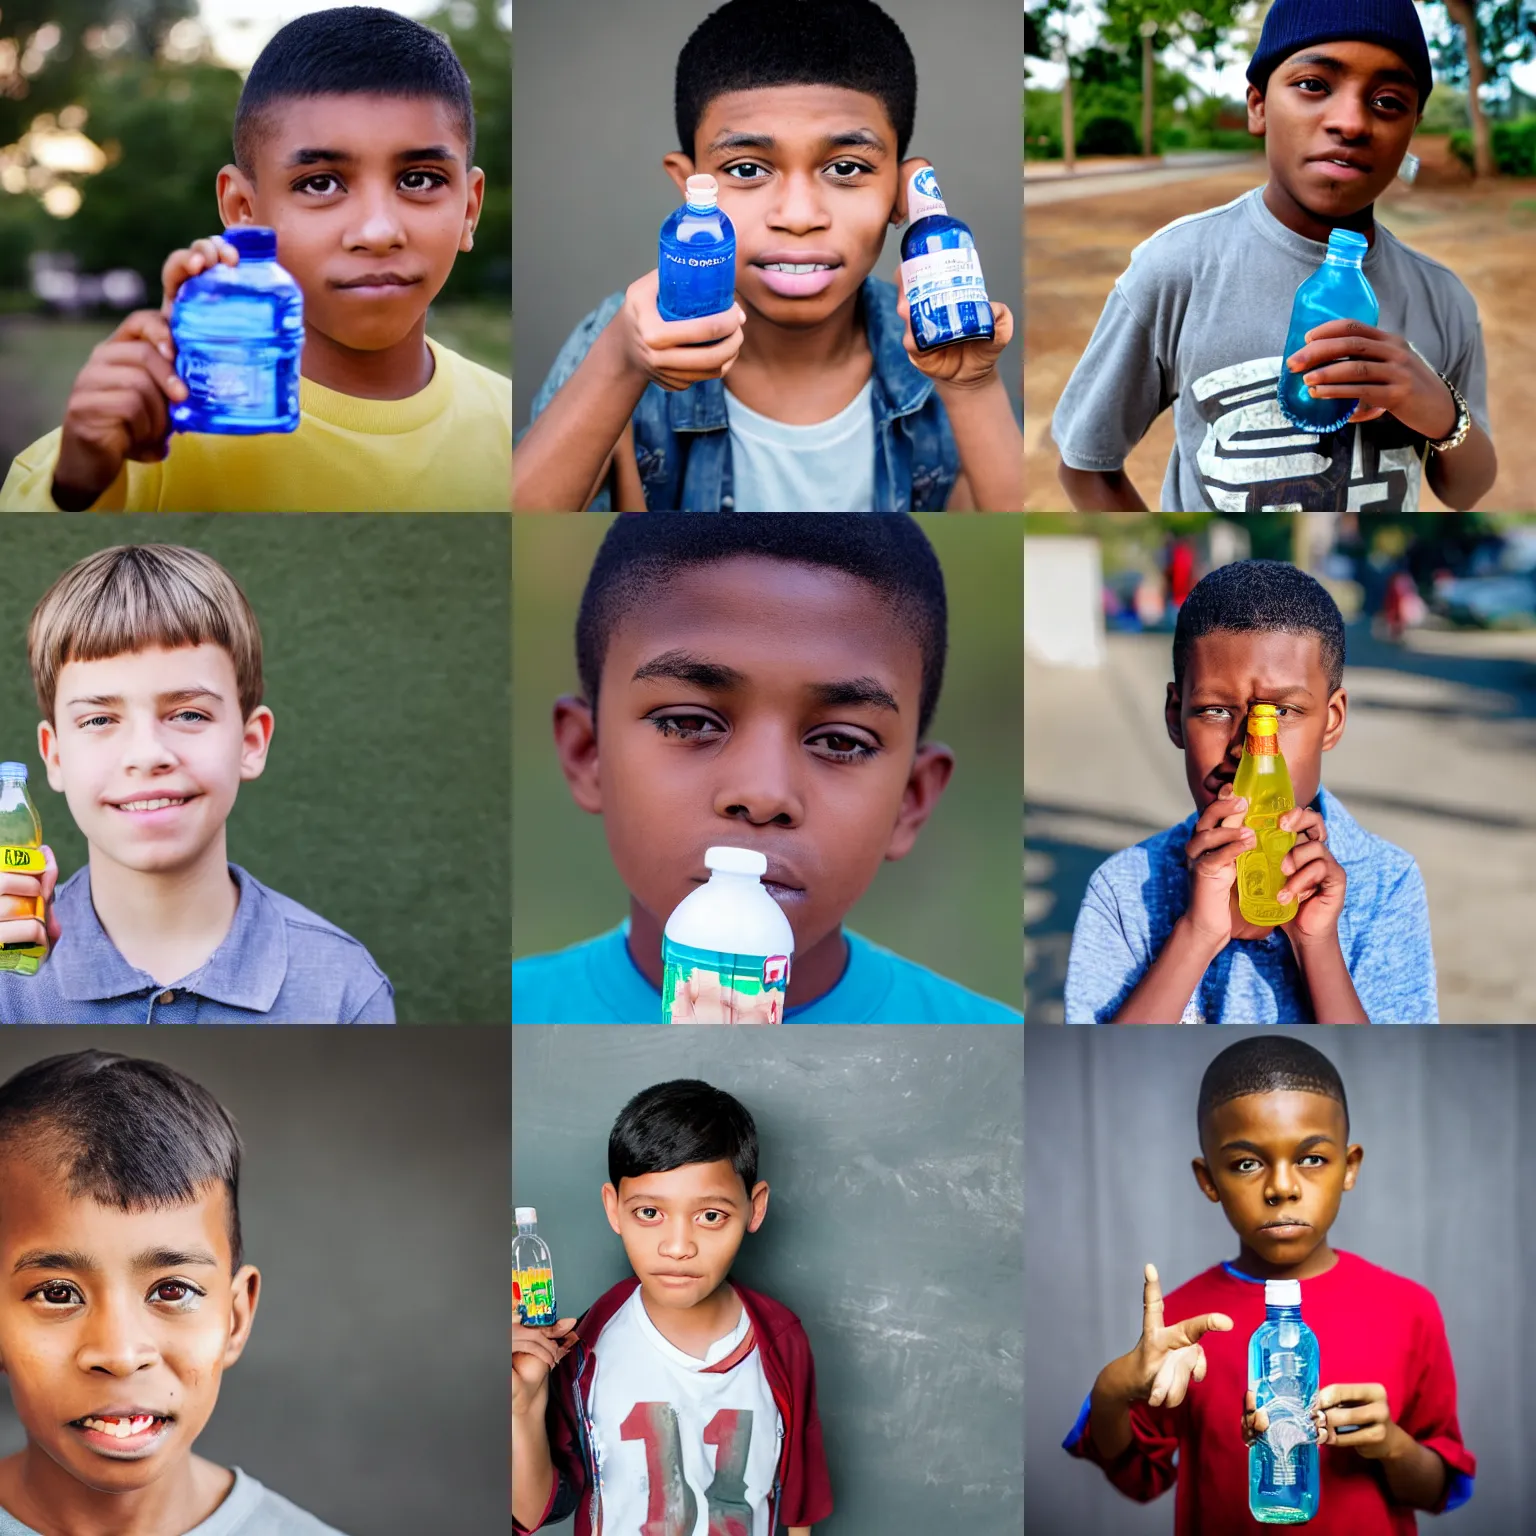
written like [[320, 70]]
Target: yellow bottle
[[21, 853], [1265, 783]]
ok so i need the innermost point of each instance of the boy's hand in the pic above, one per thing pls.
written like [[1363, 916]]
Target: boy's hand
[[702, 1000], [535, 1353], [1211, 853], [1167, 1359], [966, 365], [19, 923], [1383, 372], [677, 353], [1313, 877], [197, 257], [1335, 1409]]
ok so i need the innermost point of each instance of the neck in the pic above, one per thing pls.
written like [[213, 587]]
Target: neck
[[1310, 226], [811, 975], [1318, 1262], [812, 350], [166, 922], [392, 373], [40, 1493], [694, 1329]]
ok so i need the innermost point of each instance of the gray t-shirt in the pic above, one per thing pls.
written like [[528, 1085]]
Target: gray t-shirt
[[249, 1510], [1198, 322]]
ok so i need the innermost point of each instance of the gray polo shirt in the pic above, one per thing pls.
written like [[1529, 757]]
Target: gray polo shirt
[[279, 964], [247, 1510]]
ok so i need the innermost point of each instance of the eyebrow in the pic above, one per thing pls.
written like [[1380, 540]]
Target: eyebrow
[[1339, 67], [645, 1199], [855, 690], [715, 677], [1266, 696], [1302, 1147], [308, 156], [175, 696], [850, 138], [150, 1258]]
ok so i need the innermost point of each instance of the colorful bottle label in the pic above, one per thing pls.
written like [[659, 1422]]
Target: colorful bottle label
[[22, 861], [533, 1294], [22, 956], [713, 986], [942, 278]]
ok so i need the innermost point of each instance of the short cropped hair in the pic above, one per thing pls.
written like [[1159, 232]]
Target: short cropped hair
[[135, 597], [645, 550], [752, 43], [1249, 596], [123, 1132], [351, 50], [1268, 1064], [685, 1121]]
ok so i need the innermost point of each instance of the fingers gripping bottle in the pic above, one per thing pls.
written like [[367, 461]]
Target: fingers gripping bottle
[[696, 264], [729, 944], [1283, 1375], [941, 271], [1338, 290], [21, 853], [239, 332], [533, 1276], [1265, 783]]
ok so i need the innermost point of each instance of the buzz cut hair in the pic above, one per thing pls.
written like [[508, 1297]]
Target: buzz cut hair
[[1268, 1064]]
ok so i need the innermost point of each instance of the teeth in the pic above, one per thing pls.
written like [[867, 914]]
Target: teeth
[[121, 1429], [150, 805], [796, 266]]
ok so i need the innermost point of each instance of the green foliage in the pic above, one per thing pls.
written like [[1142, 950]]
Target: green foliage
[[1176, 22], [1446, 111], [1506, 32], [1042, 125], [1108, 136], [1514, 147]]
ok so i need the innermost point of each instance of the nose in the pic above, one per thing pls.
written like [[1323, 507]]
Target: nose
[[1348, 115], [147, 751], [376, 224], [1283, 1184], [801, 206], [116, 1341], [677, 1241], [759, 780]]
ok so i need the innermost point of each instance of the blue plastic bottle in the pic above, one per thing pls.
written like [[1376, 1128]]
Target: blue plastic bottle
[[696, 264], [1283, 1374], [239, 331], [1338, 290], [941, 271]]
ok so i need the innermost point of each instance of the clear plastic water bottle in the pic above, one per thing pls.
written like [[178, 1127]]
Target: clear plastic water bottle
[[533, 1275], [1338, 290], [730, 943], [696, 262], [239, 332], [941, 271], [21, 853], [1283, 1375]]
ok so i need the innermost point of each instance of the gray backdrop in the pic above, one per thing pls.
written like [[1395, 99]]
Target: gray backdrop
[[374, 1201], [1445, 1196], [592, 118], [893, 1231]]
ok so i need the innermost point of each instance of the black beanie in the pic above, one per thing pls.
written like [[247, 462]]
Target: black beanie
[[1296, 24]]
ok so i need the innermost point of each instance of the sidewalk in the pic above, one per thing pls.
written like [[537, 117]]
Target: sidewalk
[[1436, 758]]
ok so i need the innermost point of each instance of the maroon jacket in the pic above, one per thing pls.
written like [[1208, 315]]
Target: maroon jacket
[[802, 1491]]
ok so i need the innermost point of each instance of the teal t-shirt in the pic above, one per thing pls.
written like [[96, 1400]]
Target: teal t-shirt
[[596, 982]]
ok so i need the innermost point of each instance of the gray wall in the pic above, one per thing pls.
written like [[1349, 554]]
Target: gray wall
[[592, 118], [893, 1231], [1445, 1196], [374, 1201]]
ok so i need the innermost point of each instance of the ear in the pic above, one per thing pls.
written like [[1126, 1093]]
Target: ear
[[1173, 716], [611, 1206], [237, 197], [48, 750], [472, 207], [245, 1291], [576, 744], [931, 767], [1255, 111], [759, 1206], [679, 167], [1204, 1180], [255, 742], [1353, 1157], [1338, 708]]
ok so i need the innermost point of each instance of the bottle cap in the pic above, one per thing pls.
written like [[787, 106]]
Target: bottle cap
[[923, 195], [736, 861], [1347, 242], [255, 242], [13, 771], [1262, 720], [1282, 1293], [526, 1215], [703, 192]]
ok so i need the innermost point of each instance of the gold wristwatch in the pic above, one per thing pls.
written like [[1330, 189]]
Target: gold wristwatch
[[1463, 421]]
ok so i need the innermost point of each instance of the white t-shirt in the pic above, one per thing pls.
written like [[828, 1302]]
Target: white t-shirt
[[826, 467], [680, 1440]]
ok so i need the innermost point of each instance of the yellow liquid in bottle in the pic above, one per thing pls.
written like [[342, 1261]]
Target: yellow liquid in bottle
[[21, 841], [1265, 783]]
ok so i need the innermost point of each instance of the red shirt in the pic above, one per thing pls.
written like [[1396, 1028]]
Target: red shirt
[[1371, 1326]]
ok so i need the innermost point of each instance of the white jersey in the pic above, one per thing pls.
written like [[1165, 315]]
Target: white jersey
[[683, 1447], [828, 466]]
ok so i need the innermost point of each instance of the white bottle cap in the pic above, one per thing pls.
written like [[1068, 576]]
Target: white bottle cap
[[703, 191], [526, 1215], [1282, 1293], [736, 861], [923, 195]]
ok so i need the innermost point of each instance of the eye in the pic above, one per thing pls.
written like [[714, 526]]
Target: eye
[[685, 727], [57, 1293], [841, 747], [846, 170], [1391, 103], [647, 1213], [94, 720], [179, 1295], [1245, 1165], [1315, 1158], [714, 1218], [321, 185], [1306, 84], [740, 172], [196, 716], [428, 181], [1213, 712]]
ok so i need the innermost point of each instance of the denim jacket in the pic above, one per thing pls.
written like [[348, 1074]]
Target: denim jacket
[[683, 441]]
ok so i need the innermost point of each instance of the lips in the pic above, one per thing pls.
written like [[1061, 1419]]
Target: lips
[[123, 1433], [148, 805], [1289, 1225], [1343, 165], [374, 281], [797, 274]]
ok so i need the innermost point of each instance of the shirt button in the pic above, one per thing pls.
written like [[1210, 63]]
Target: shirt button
[[166, 997]]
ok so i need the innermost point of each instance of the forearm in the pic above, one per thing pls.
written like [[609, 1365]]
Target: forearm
[[533, 1473], [1109, 1411], [989, 443], [1462, 477], [1095, 490], [560, 459], [1415, 1474], [1164, 992], [1329, 984]]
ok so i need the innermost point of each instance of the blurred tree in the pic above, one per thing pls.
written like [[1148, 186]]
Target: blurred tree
[[1488, 37]]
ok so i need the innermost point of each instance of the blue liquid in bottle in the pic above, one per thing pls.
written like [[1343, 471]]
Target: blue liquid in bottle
[[1338, 290], [1283, 1373], [941, 271], [696, 264], [239, 332]]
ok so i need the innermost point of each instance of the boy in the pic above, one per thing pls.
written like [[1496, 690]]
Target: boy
[[1199, 319], [1160, 938], [354, 140], [764, 681], [147, 665], [801, 111], [1275, 1155], [127, 1299], [683, 1389]]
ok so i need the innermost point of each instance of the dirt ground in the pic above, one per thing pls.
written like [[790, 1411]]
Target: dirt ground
[[1486, 233]]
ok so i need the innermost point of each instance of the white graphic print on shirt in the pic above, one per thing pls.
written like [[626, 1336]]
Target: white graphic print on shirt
[[681, 1450]]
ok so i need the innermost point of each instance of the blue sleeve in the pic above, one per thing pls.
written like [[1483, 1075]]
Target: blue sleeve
[[1394, 976], [380, 1007], [1102, 968]]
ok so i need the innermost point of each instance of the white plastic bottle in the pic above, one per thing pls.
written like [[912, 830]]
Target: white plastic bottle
[[727, 947], [533, 1274]]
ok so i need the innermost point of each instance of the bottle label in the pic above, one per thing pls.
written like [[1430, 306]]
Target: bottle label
[[1263, 746], [942, 278], [15, 860], [229, 379], [22, 861], [712, 986], [533, 1293]]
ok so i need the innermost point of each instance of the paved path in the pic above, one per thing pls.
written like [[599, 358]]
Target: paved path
[[1062, 188]]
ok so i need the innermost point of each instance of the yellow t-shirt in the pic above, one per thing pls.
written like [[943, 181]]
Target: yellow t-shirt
[[446, 449]]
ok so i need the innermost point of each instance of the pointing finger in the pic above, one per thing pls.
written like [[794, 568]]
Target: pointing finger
[[1151, 1300]]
